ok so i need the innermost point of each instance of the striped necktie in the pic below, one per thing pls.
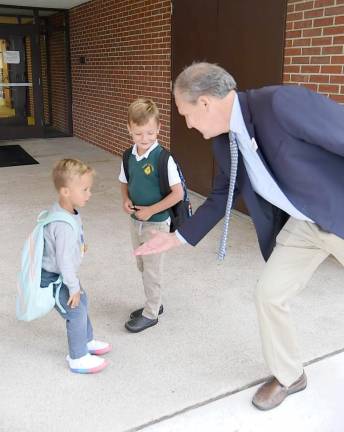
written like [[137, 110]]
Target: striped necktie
[[233, 147]]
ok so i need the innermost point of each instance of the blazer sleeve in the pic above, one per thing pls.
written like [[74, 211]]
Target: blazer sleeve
[[213, 209], [310, 117]]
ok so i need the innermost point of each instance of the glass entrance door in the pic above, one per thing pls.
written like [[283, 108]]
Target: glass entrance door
[[20, 93]]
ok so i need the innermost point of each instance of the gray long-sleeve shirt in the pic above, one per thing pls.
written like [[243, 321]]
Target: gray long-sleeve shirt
[[64, 249]]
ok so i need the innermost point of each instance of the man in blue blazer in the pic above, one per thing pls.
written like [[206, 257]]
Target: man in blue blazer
[[290, 174]]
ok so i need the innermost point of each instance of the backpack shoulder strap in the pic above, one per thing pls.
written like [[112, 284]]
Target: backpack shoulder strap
[[47, 217], [163, 172], [126, 156]]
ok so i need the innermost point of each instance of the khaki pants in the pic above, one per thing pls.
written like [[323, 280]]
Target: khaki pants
[[151, 266], [301, 247]]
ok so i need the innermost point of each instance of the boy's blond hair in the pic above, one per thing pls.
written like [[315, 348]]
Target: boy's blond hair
[[141, 111], [65, 169]]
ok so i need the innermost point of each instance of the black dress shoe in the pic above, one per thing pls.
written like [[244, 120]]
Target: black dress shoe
[[140, 323], [137, 313]]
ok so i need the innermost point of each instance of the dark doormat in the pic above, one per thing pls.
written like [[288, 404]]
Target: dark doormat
[[13, 155]]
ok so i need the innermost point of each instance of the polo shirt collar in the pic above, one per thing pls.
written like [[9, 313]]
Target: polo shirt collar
[[146, 154]]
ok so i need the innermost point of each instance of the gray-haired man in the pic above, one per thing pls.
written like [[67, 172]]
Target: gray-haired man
[[290, 165]]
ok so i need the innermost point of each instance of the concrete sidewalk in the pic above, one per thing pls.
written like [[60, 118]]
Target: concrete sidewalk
[[205, 347], [317, 409]]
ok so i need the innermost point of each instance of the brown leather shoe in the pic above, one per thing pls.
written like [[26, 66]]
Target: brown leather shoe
[[272, 393]]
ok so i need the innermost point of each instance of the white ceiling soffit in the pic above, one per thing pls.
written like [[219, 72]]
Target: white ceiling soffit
[[58, 4]]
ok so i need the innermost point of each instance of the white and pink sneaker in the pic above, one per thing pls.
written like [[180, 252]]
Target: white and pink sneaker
[[88, 364], [97, 347]]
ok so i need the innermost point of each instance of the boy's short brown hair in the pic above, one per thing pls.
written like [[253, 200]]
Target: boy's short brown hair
[[141, 111], [65, 169]]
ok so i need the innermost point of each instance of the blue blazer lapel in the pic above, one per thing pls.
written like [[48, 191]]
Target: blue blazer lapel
[[246, 113], [267, 218]]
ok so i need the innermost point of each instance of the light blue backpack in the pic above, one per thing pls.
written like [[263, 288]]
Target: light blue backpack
[[33, 301]]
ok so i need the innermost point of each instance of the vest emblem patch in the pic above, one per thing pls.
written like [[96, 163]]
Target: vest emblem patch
[[148, 169]]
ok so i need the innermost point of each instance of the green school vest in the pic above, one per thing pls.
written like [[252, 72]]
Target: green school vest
[[143, 185]]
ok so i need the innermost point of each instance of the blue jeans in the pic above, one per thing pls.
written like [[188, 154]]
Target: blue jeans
[[78, 324]]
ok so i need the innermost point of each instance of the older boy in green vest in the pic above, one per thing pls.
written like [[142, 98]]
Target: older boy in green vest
[[148, 209]]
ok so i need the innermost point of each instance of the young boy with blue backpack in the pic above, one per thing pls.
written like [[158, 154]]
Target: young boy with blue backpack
[[50, 262], [153, 195]]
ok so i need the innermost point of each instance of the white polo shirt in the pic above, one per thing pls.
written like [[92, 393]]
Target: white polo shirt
[[172, 171]]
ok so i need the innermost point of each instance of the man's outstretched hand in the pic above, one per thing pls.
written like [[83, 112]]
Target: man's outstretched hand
[[160, 242]]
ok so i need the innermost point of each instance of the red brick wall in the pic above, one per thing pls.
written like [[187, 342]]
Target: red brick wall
[[314, 48], [126, 46]]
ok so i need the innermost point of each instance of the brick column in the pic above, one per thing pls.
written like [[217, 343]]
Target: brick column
[[314, 46]]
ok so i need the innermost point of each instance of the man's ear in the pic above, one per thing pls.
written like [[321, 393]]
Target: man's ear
[[204, 102], [128, 127]]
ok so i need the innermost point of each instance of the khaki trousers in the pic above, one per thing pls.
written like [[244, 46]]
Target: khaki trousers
[[151, 266], [301, 247]]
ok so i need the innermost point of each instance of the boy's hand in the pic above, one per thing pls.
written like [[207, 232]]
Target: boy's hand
[[74, 300], [143, 213], [128, 206]]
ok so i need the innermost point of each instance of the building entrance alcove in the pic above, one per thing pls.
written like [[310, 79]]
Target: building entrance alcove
[[35, 78]]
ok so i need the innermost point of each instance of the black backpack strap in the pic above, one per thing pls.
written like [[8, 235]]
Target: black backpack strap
[[163, 172], [126, 156]]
